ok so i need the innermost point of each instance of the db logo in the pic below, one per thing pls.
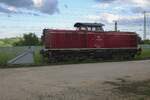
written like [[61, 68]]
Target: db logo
[[99, 38]]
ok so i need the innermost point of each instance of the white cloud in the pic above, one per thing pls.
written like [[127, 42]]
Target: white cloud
[[101, 5], [43, 6], [12, 9], [141, 5], [110, 18], [104, 17], [38, 3]]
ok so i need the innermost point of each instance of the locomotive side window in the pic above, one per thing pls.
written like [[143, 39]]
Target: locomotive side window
[[89, 29], [98, 29], [83, 28], [93, 28]]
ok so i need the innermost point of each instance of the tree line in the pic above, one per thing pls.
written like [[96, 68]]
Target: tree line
[[145, 41], [28, 39]]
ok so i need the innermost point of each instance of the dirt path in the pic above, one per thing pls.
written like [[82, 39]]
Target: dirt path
[[68, 82]]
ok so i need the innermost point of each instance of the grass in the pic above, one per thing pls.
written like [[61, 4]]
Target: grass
[[38, 58], [144, 55], [4, 58], [8, 42]]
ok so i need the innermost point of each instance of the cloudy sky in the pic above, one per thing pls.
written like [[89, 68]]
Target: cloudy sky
[[23, 16]]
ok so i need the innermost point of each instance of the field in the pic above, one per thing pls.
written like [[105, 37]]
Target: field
[[8, 42], [145, 52], [7, 53]]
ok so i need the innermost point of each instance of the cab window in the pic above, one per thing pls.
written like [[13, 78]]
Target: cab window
[[93, 29]]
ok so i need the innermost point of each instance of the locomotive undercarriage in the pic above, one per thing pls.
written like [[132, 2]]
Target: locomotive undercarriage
[[56, 55]]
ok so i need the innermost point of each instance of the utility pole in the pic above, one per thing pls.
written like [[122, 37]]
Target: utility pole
[[145, 23], [116, 26]]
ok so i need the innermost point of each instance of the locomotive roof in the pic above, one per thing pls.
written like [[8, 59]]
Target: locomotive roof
[[89, 24]]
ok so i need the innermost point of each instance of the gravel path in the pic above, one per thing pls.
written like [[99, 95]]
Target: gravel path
[[68, 82]]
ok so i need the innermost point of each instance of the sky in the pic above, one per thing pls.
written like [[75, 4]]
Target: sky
[[23, 16]]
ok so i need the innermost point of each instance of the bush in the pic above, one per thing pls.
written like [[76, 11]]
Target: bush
[[28, 40], [145, 41]]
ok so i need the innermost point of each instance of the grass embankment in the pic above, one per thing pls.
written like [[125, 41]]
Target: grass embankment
[[144, 55], [9, 42], [3, 58]]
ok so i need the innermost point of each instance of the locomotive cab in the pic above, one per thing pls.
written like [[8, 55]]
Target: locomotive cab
[[94, 27]]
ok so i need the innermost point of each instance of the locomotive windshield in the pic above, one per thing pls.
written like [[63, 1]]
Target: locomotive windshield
[[96, 27]]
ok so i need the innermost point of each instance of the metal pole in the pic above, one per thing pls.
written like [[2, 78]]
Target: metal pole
[[144, 36], [116, 26]]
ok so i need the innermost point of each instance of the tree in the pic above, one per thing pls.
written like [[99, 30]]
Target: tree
[[146, 41], [28, 40]]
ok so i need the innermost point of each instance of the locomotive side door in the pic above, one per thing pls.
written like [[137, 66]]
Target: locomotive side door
[[99, 41], [95, 40]]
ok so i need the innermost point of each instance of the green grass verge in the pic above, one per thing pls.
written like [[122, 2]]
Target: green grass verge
[[38, 58], [4, 57], [144, 55]]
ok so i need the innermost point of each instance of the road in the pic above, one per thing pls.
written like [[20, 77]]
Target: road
[[68, 82]]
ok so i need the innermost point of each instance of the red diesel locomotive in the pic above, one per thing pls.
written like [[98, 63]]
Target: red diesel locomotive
[[89, 40]]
